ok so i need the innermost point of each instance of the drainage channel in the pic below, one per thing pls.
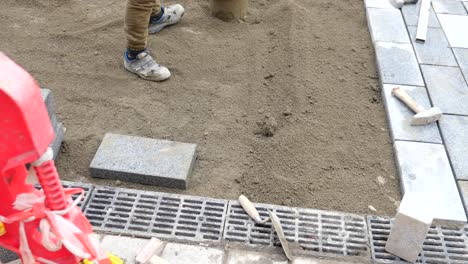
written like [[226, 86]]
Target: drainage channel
[[146, 214]]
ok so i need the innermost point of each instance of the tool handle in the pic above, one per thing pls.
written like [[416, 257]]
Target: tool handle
[[250, 208], [405, 98]]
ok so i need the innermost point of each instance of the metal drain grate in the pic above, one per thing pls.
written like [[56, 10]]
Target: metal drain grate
[[442, 245], [85, 186], [313, 230], [146, 214]]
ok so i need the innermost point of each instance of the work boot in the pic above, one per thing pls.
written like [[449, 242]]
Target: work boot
[[169, 15], [146, 67]]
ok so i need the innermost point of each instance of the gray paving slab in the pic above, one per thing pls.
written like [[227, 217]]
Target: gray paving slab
[[237, 256], [455, 133], [424, 168], [411, 15], [464, 192], [397, 64], [378, 3], [455, 29], [124, 247], [399, 116], [435, 50], [144, 160], [57, 143], [49, 102], [462, 58], [387, 25], [447, 88], [454, 7], [183, 254]]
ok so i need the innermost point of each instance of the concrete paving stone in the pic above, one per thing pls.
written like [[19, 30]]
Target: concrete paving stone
[[397, 64], [454, 7], [125, 248], [400, 115], [462, 58], [447, 88], [236, 256], [57, 143], [411, 15], [301, 260], [183, 254], [424, 168], [455, 133], [387, 25], [464, 192], [144, 160], [410, 227], [49, 102], [435, 50], [455, 29], [379, 4]]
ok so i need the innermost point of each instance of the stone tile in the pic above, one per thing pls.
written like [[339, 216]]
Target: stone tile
[[411, 15], [424, 168], [301, 260], [454, 7], [249, 257], [183, 254], [464, 192], [144, 160], [435, 50], [378, 3], [455, 133], [410, 227], [455, 29], [125, 248], [400, 115], [397, 64], [57, 143], [387, 25], [462, 58], [447, 88]]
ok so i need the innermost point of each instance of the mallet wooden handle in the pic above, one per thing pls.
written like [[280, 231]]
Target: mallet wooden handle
[[405, 98]]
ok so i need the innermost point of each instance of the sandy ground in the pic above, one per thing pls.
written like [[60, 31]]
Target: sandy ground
[[307, 65]]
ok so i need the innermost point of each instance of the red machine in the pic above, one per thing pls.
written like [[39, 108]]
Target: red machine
[[41, 226]]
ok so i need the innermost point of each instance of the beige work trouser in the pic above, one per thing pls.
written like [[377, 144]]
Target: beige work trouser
[[137, 17]]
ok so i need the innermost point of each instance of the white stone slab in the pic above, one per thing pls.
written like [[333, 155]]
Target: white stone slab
[[125, 248], [399, 115], [411, 15], [424, 168], [410, 227], [455, 28], [447, 88], [435, 50], [466, 4], [464, 192], [242, 257], [387, 25], [455, 133], [462, 58], [183, 254], [454, 7], [397, 64], [379, 3]]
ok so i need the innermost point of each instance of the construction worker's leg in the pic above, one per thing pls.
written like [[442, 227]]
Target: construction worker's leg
[[157, 12], [137, 17], [137, 58]]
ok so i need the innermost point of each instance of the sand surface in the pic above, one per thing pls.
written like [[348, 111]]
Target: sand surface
[[299, 71]]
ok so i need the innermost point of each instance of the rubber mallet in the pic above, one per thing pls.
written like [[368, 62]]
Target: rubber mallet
[[422, 116]]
